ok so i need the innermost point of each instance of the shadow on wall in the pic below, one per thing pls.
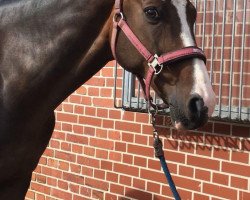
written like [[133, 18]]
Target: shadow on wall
[[218, 134], [137, 194]]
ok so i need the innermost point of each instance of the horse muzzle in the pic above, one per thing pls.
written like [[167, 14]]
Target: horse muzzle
[[190, 117]]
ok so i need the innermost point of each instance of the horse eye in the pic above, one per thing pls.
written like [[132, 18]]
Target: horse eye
[[152, 13]]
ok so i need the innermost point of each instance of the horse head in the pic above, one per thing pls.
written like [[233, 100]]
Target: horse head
[[165, 27]]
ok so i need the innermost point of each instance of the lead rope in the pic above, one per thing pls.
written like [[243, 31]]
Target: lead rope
[[159, 153]]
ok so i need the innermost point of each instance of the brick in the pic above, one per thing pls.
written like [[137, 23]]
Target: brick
[[103, 154], [126, 126], [101, 143], [67, 127], [222, 141], [66, 117], [152, 175], [85, 191], [125, 180], [139, 161], [141, 117], [40, 197], [137, 194], [60, 194], [120, 146], [241, 157], [219, 191], [203, 162], [101, 133], [126, 169], [103, 102], [114, 114], [221, 154], [186, 171], [114, 135], [139, 150], [87, 171], [102, 113], [89, 130], [204, 150], [188, 136], [106, 92], [245, 143], [89, 151], [112, 177], [128, 137], [239, 183], [75, 168], [158, 197], [244, 195], [187, 147], [240, 131], [154, 164], [115, 156], [88, 161], [140, 184], [97, 184], [90, 111], [73, 178], [110, 197], [175, 157], [127, 159], [200, 196], [237, 169], [203, 175], [77, 139], [106, 165], [63, 185], [90, 121], [51, 172], [141, 139], [108, 124], [117, 189], [188, 183], [220, 179], [99, 174], [153, 187]]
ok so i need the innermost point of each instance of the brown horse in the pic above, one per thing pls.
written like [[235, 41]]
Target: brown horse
[[48, 48]]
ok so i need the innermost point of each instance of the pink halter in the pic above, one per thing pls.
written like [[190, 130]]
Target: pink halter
[[155, 62]]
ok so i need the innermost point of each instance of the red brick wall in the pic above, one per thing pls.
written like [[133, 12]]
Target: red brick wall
[[98, 152]]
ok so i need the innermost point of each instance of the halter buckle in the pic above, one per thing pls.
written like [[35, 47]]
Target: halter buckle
[[156, 65], [117, 17]]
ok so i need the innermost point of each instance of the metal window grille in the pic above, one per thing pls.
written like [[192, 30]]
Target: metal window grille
[[223, 31]]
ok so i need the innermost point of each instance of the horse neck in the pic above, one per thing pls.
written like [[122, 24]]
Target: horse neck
[[44, 45]]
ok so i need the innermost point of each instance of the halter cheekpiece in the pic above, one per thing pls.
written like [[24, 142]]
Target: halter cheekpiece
[[156, 63]]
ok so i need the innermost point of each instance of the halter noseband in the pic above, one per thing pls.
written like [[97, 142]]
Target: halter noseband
[[155, 62]]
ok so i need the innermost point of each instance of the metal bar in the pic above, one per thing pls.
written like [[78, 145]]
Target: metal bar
[[139, 95], [115, 84], [130, 90], [242, 57], [222, 56], [204, 23], [213, 39], [195, 22], [123, 87], [231, 61]]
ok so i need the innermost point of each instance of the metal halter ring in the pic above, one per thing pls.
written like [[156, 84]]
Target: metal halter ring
[[155, 64], [117, 17]]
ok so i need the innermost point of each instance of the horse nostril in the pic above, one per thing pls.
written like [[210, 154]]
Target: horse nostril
[[196, 105]]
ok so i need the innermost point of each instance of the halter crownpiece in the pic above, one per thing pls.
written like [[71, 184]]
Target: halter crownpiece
[[155, 62]]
